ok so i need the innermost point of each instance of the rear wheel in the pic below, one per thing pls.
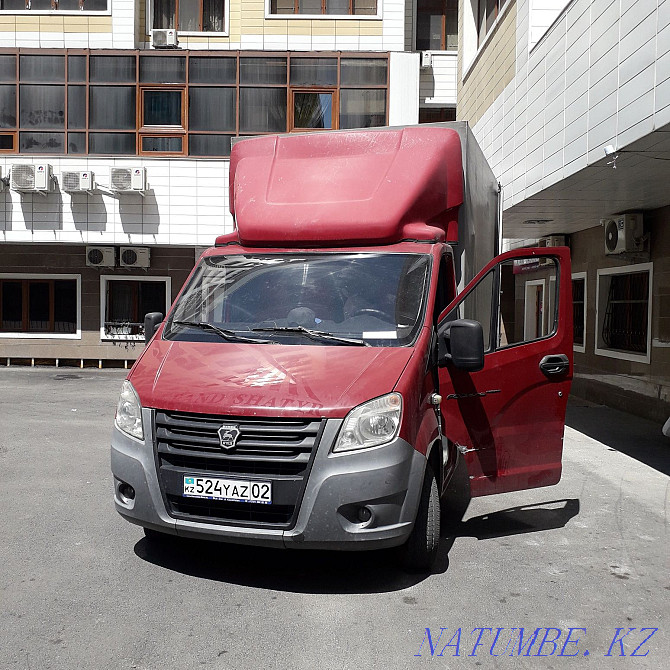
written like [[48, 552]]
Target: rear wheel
[[419, 552]]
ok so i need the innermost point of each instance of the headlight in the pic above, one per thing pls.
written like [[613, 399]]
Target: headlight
[[371, 424], [129, 412]]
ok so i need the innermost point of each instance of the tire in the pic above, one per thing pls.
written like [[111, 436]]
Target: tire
[[420, 551]]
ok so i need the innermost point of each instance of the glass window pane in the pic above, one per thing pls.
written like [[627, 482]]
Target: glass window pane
[[112, 107], [76, 106], [212, 19], [38, 306], [211, 109], [12, 305], [312, 110], [362, 108], [164, 12], [365, 7], [212, 70], [209, 145], [68, 5], [309, 6], [6, 142], [95, 5], [42, 68], [40, 5], [14, 5], [363, 71], [151, 297], [189, 15], [42, 143], [262, 70], [477, 305], [42, 106], [112, 69], [337, 6], [111, 143], [7, 68], [65, 306], [314, 72], [429, 29], [282, 7], [120, 302], [76, 67], [76, 143], [162, 108], [163, 69], [262, 110], [163, 144], [8, 106]]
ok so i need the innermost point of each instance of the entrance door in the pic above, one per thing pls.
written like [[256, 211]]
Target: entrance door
[[508, 418]]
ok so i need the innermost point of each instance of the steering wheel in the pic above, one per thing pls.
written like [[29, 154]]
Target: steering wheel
[[371, 311]]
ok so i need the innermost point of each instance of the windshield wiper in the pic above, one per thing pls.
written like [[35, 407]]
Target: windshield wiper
[[320, 335], [229, 335]]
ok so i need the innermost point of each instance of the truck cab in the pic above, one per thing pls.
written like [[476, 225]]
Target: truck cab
[[319, 374]]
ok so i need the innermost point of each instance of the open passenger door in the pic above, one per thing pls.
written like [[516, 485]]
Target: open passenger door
[[507, 419]]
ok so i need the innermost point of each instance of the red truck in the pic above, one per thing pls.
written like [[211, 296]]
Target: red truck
[[319, 374]]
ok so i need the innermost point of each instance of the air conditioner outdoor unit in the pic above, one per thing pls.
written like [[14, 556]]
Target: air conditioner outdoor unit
[[28, 177], [134, 257], [100, 257], [126, 180], [164, 38], [426, 59], [554, 241], [74, 182], [623, 233]]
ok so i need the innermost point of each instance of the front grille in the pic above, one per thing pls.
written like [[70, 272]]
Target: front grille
[[268, 449]]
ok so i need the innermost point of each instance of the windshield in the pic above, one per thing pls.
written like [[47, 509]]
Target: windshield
[[322, 299]]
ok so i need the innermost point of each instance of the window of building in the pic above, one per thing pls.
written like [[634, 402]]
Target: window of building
[[487, 13], [325, 7], [436, 114], [181, 103], [579, 311], [40, 306], [125, 302], [437, 25], [190, 16], [623, 312], [54, 5]]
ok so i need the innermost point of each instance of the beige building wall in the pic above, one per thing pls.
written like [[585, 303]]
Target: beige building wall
[[482, 78]]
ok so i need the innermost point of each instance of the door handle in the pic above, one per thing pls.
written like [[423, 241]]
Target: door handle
[[555, 364]]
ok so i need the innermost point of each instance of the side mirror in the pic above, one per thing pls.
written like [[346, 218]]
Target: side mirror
[[462, 343], [151, 322]]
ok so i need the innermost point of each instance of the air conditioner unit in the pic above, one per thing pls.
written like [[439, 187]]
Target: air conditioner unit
[[3, 182], [623, 233], [73, 182], [426, 59], [554, 241], [100, 257], [164, 38], [126, 180], [134, 257], [28, 177]]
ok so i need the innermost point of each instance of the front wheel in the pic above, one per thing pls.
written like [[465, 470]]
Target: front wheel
[[419, 552]]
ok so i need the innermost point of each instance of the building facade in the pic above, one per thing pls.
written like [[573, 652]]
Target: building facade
[[570, 102], [114, 152]]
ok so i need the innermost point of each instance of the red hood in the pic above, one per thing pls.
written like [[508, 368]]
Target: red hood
[[250, 379]]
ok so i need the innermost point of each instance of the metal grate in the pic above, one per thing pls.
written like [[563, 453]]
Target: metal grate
[[23, 177], [121, 179], [269, 449]]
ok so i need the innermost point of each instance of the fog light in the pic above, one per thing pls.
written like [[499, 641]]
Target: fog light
[[364, 514], [126, 491]]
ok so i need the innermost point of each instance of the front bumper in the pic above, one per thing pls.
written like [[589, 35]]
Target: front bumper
[[387, 480]]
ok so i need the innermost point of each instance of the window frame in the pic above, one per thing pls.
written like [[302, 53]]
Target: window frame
[[145, 130], [334, 107], [149, 9], [581, 276], [105, 279], [438, 4], [59, 12], [325, 17], [620, 354], [23, 276]]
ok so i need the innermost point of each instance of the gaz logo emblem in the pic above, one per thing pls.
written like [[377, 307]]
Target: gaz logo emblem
[[228, 434]]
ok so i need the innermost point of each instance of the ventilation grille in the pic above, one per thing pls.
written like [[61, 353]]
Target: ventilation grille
[[122, 179], [23, 177]]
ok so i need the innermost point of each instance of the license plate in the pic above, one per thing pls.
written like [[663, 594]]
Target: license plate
[[237, 490]]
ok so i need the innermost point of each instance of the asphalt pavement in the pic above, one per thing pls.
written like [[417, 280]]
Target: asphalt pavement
[[576, 575]]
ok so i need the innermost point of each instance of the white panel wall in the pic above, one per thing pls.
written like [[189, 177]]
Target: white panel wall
[[438, 83], [600, 75], [542, 13], [403, 88], [186, 203]]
